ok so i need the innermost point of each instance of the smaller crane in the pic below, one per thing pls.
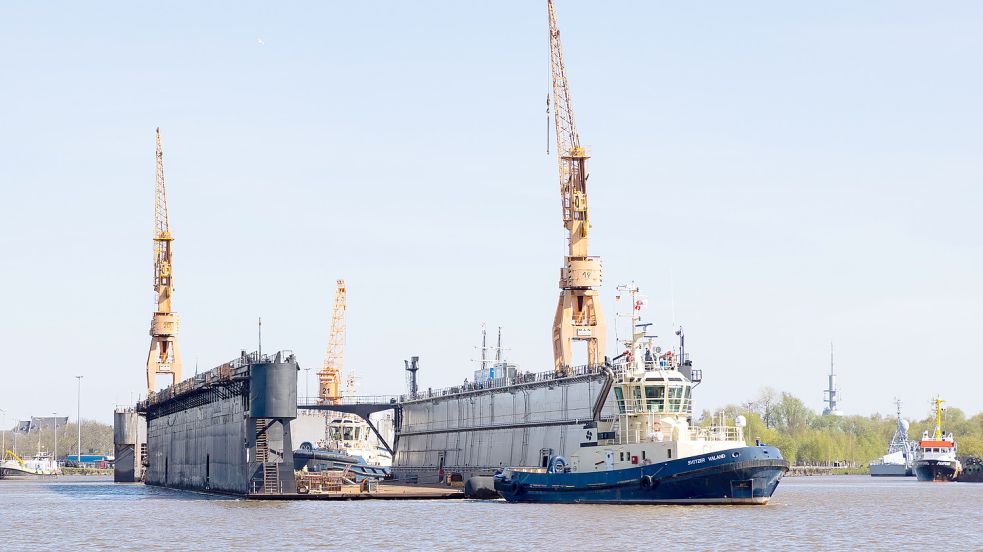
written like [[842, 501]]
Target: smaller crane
[[164, 356], [329, 376]]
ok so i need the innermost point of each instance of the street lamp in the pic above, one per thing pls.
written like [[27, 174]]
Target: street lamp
[[3, 435], [55, 416], [307, 385], [78, 417]]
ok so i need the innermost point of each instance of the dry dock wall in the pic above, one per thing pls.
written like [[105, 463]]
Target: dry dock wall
[[201, 447], [478, 432], [130, 439], [227, 430]]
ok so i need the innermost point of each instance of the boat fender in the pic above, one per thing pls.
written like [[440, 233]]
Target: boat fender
[[647, 482], [513, 487]]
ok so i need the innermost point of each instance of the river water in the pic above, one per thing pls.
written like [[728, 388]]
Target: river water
[[806, 513]]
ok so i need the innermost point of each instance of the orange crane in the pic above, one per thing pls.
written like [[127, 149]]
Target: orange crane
[[329, 376], [164, 356], [578, 312]]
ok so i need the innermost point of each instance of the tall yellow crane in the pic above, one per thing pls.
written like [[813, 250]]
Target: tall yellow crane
[[164, 356], [329, 376], [578, 313]]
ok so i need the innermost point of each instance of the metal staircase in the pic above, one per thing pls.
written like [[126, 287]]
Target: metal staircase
[[271, 473]]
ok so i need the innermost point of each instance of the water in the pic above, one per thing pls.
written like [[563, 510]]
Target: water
[[806, 513]]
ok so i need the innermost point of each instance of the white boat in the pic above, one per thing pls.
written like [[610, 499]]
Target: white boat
[[41, 464]]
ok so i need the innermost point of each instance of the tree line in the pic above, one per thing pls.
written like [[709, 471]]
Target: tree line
[[804, 436], [97, 438]]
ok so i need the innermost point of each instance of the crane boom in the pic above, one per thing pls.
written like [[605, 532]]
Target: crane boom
[[162, 237], [329, 376], [578, 313], [164, 356]]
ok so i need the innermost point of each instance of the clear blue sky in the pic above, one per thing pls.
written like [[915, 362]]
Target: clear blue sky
[[784, 173]]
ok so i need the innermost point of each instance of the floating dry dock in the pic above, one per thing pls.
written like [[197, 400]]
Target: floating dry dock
[[227, 431]]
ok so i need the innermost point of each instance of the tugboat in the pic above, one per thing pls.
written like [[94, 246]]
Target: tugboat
[[935, 457], [900, 453], [649, 453], [349, 447]]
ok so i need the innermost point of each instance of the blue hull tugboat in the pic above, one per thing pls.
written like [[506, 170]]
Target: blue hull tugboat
[[649, 453]]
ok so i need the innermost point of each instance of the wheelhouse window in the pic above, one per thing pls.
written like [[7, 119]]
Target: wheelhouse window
[[675, 398], [655, 398], [636, 395]]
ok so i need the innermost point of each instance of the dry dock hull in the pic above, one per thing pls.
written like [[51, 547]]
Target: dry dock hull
[[747, 475], [476, 432]]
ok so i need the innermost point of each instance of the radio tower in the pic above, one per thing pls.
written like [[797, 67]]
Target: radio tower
[[832, 394], [164, 356], [329, 376], [578, 312]]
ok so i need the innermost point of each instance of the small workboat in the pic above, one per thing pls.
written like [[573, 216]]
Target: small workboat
[[40, 465]]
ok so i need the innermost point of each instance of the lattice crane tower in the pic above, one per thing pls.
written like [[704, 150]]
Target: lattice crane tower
[[329, 376], [164, 356], [578, 313]]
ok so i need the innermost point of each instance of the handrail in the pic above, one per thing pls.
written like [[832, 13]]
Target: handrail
[[497, 383]]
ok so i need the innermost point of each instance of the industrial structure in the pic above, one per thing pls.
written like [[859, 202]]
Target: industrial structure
[[329, 376], [165, 355], [832, 393], [578, 313]]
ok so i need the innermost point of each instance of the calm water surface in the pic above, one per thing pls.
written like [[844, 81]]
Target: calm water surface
[[818, 513]]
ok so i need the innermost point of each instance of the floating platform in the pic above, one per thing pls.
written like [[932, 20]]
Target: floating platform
[[383, 492]]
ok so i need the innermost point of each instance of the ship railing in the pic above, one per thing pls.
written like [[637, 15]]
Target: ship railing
[[360, 399], [634, 406], [717, 433], [219, 374], [498, 383]]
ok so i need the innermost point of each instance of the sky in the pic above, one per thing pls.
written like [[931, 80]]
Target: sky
[[775, 176]]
